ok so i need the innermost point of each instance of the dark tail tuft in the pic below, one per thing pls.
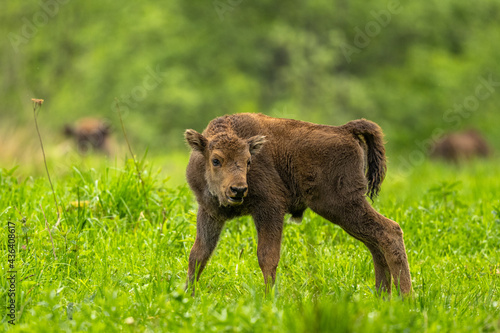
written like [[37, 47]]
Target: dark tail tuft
[[373, 136]]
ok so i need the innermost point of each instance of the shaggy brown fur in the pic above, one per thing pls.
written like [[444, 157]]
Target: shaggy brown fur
[[252, 164], [90, 134], [460, 146]]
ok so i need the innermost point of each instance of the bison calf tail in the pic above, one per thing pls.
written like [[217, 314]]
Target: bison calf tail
[[372, 134]]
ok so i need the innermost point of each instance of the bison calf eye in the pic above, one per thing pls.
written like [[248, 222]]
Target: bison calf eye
[[216, 162], [248, 163]]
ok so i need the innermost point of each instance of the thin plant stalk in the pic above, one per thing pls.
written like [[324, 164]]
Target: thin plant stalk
[[133, 157], [37, 104], [50, 233]]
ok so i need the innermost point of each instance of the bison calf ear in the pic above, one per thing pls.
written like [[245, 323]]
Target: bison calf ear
[[195, 140], [255, 143]]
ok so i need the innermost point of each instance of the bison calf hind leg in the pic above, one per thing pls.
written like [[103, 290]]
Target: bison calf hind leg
[[382, 271], [382, 236], [384, 239], [392, 246]]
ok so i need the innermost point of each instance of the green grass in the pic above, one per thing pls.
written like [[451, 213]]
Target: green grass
[[122, 251]]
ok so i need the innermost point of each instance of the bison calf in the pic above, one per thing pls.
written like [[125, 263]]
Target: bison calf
[[252, 164], [90, 134]]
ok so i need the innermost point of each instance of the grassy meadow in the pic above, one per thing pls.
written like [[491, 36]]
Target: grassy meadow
[[117, 260], [107, 250]]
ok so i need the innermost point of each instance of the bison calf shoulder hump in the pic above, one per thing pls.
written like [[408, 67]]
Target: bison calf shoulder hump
[[252, 164]]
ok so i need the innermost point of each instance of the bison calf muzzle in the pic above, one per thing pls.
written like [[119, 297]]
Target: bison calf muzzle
[[252, 164]]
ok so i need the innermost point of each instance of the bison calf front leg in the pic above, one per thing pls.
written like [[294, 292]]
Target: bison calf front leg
[[269, 231], [208, 231]]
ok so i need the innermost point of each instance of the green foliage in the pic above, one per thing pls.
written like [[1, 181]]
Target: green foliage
[[177, 65], [121, 253]]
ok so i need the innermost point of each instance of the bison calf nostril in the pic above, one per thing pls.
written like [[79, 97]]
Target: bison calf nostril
[[239, 191]]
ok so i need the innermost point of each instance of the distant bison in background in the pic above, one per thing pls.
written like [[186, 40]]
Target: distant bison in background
[[90, 134], [460, 146], [252, 164]]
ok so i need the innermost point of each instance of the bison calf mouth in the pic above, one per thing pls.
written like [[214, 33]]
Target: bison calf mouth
[[236, 195], [235, 200]]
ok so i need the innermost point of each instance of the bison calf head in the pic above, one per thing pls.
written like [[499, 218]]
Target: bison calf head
[[227, 162]]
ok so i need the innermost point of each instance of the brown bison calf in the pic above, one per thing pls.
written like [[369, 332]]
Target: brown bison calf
[[460, 146], [90, 133], [252, 164]]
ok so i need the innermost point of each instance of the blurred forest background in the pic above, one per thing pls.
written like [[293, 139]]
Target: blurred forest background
[[416, 68]]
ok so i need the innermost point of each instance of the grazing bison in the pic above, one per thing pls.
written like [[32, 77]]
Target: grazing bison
[[252, 164], [90, 134], [460, 146]]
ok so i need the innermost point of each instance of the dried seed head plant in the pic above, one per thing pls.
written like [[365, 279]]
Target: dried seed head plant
[[37, 105]]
